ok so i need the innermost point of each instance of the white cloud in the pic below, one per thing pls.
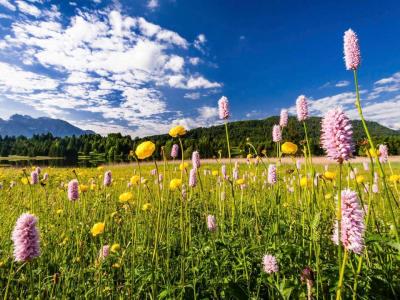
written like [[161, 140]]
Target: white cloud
[[379, 104], [103, 65], [28, 8], [201, 82], [199, 42], [194, 61], [175, 63], [342, 83], [152, 4], [8, 5], [207, 112], [193, 96]]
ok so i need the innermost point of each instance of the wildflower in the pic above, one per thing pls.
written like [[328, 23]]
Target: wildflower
[[272, 174], [360, 179], [383, 153], [135, 179], [302, 108], [289, 148], [175, 184], [304, 182], [100, 168], [73, 190], [352, 223], [177, 131], [183, 192], [183, 166], [115, 248], [352, 55], [145, 149], [59, 211], [298, 164], [270, 265], [107, 178], [174, 151], [214, 173], [337, 136], [329, 175], [223, 172], [394, 178], [236, 173], [25, 237], [83, 188], [97, 228], [373, 152], [276, 133], [45, 176], [116, 266], [104, 252], [366, 166], [211, 223], [34, 177], [328, 196], [193, 178], [223, 108], [240, 181], [146, 207], [24, 180], [125, 197], [307, 276], [196, 160], [283, 122], [375, 188]]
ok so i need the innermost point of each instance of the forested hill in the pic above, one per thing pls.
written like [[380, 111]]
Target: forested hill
[[208, 141]]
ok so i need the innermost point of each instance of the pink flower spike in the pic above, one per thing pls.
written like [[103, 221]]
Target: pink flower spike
[[352, 55]]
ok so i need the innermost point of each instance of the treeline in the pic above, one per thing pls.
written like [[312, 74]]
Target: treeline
[[210, 142]]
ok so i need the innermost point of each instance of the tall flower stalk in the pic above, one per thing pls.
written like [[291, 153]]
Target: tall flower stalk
[[352, 57]]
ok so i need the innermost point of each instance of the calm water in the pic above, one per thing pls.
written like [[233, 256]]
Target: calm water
[[53, 162]]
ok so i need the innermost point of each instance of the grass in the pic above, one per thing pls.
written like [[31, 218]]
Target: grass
[[166, 250]]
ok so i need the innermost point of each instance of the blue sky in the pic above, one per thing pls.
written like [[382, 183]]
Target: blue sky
[[138, 67]]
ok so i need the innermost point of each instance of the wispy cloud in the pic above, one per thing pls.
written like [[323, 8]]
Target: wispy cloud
[[8, 4], [152, 4], [380, 103]]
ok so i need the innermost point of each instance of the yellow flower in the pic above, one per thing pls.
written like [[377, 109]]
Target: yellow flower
[[360, 179], [304, 181], [135, 179], [125, 197], [373, 152], [25, 180], [145, 149], [146, 207], [240, 181], [330, 175], [249, 156], [328, 196], [116, 266], [83, 188], [394, 178], [183, 166], [59, 211], [177, 131], [175, 183], [115, 248], [289, 148], [92, 187], [214, 172], [97, 228], [100, 168]]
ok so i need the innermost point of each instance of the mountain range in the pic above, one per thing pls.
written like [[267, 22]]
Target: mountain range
[[18, 125]]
